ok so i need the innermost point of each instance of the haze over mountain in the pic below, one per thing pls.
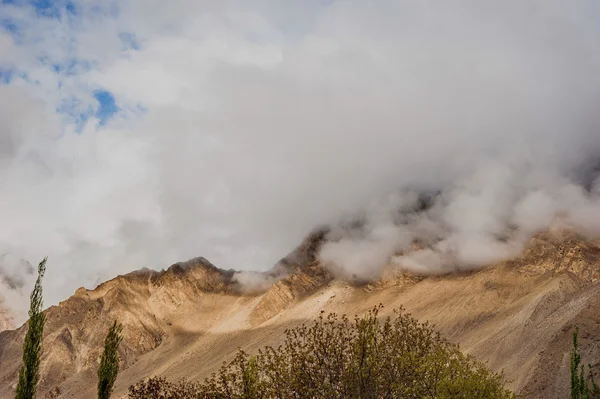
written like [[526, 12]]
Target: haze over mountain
[[184, 322], [135, 134]]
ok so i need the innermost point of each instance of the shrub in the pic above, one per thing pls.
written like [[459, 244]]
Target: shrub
[[159, 388], [366, 358]]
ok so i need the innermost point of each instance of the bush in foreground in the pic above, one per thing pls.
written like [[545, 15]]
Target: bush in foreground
[[336, 358]]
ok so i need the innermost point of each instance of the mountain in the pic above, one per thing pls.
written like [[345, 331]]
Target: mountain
[[518, 315]]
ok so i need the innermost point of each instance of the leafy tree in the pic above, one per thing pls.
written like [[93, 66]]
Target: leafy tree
[[336, 358], [159, 388], [250, 378], [32, 346], [580, 388], [109, 364]]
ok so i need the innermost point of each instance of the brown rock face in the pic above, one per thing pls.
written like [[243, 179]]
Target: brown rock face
[[560, 252], [184, 322], [304, 256], [288, 290]]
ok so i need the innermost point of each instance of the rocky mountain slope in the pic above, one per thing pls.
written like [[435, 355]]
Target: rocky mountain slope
[[184, 322]]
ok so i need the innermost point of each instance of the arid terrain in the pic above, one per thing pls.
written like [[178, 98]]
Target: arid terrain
[[517, 315]]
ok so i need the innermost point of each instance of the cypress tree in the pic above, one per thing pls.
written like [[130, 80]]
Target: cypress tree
[[575, 361], [32, 346], [580, 389], [109, 364]]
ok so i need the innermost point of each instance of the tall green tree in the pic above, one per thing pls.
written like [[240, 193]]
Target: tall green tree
[[109, 364], [575, 361], [32, 346], [580, 388]]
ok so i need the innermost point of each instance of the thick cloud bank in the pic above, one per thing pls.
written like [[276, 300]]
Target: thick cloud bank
[[240, 126]]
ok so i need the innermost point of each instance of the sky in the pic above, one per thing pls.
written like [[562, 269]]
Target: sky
[[141, 133]]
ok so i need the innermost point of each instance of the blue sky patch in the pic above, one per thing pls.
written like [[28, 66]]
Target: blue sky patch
[[78, 113], [71, 67], [130, 41], [9, 26], [9, 74], [6, 75], [75, 111], [107, 106], [46, 8], [71, 9], [53, 8]]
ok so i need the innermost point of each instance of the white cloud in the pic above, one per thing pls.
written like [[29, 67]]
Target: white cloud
[[262, 121]]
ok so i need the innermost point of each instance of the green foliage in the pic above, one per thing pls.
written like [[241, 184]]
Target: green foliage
[[159, 388], [336, 358], [580, 387], [109, 364], [250, 379], [32, 346]]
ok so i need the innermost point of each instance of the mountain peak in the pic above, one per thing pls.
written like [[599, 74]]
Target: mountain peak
[[172, 318]]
